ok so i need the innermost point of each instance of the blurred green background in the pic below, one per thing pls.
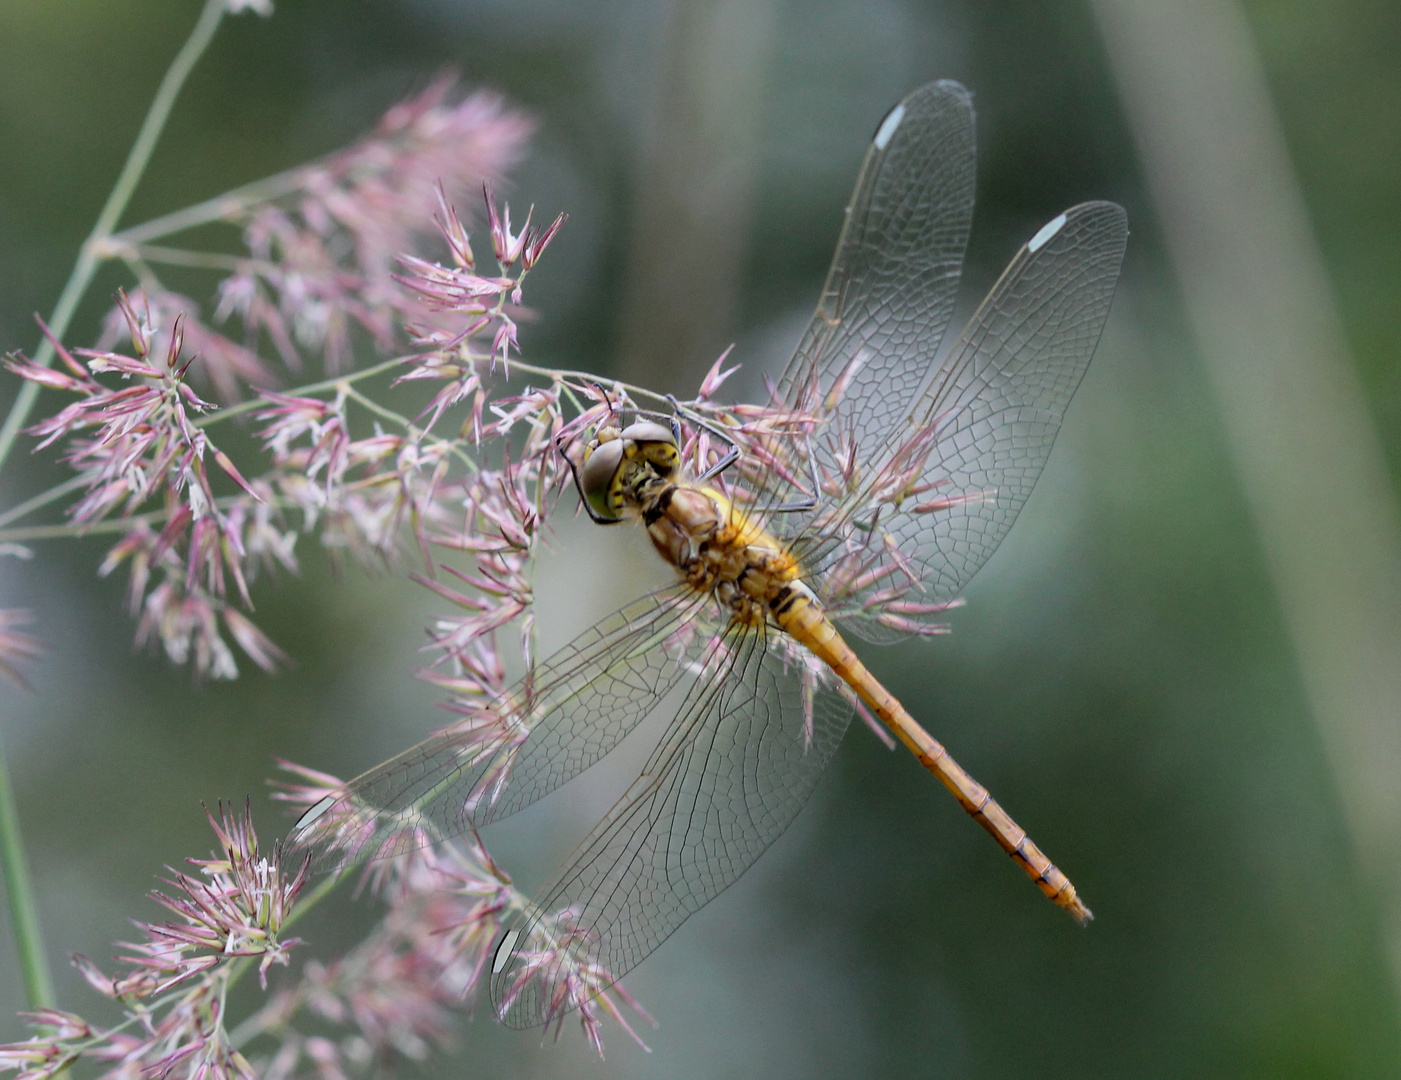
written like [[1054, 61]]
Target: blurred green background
[[1122, 677]]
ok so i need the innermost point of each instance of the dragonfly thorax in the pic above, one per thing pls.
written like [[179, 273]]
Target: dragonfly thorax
[[718, 550]]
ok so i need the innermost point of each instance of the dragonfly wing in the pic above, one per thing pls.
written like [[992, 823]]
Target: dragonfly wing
[[893, 281], [575, 708], [998, 402], [986, 423], [735, 767]]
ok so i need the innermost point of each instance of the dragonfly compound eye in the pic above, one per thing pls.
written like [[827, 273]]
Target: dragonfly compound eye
[[654, 444], [601, 479], [645, 431]]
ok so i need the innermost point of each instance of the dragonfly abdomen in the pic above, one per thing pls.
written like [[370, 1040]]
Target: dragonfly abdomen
[[800, 615]]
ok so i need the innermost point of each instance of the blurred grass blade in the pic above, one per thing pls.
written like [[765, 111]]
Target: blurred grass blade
[[1308, 458]]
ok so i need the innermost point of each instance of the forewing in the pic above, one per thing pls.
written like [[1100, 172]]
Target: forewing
[[735, 767], [986, 423], [892, 284], [575, 708]]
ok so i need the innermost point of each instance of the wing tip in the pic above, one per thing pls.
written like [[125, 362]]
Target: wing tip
[[1101, 208], [944, 87], [918, 100], [1098, 217]]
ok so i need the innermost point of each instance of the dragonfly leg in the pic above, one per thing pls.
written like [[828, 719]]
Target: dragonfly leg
[[731, 456], [811, 500]]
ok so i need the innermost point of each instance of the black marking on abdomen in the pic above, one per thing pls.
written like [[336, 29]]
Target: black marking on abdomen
[[784, 601]]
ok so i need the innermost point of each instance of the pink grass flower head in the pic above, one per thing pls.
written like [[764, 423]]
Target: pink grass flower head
[[225, 367], [469, 306], [472, 503], [132, 442], [238, 911], [174, 994], [323, 253], [139, 448], [323, 242], [445, 907]]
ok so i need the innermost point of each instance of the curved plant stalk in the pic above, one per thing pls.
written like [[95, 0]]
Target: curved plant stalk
[[18, 887]]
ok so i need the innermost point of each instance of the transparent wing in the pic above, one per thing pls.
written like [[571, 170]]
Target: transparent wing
[[891, 288], [578, 705], [735, 767], [937, 508]]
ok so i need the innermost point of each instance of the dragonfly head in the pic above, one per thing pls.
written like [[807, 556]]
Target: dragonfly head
[[617, 464]]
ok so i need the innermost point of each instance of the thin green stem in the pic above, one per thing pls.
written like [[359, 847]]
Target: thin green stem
[[373, 407], [200, 260], [564, 375], [325, 889], [58, 491], [91, 254], [220, 208], [72, 530], [24, 917], [19, 891], [301, 391]]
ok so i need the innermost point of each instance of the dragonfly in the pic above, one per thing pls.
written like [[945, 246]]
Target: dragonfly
[[906, 467]]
